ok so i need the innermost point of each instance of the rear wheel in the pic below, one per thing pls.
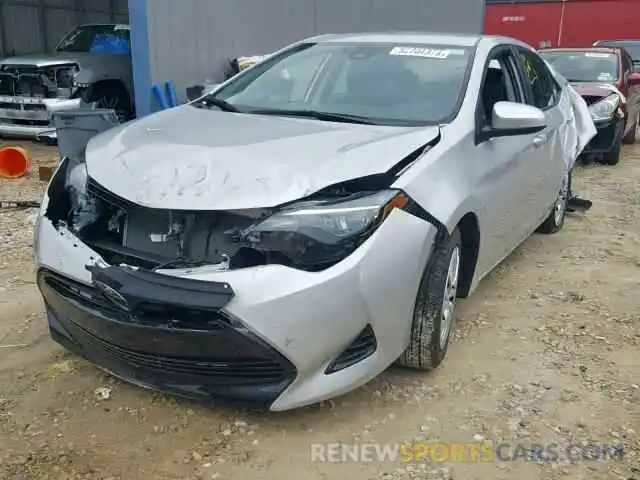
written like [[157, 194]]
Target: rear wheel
[[434, 312], [555, 221]]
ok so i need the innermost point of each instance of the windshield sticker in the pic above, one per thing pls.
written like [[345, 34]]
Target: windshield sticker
[[603, 77], [425, 52], [598, 55]]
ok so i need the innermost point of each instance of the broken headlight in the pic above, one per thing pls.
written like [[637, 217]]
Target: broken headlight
[[68, 194], [315, 235]]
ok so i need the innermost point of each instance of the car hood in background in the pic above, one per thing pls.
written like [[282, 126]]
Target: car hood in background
[[47, 59], [595, 90], [197, 159]]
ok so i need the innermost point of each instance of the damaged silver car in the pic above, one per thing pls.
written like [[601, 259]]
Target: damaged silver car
[[290, 235], [91, 66]]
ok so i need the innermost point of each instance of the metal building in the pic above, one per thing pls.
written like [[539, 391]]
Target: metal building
[[32, 26], [191, 41]]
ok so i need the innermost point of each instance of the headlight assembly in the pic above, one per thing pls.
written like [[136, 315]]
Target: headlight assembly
[[315, 235], [605, 109]]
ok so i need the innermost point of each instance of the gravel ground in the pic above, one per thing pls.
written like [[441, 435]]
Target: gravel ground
[[546, 351]]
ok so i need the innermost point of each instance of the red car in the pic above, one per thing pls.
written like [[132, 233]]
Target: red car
[[605, 78]]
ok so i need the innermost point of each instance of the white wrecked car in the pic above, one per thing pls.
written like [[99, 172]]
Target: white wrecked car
[[287, 237]]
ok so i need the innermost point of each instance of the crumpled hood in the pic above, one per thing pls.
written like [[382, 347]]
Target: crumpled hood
[[594, 89], [197, 159]]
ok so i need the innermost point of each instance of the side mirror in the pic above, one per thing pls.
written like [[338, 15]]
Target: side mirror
[[510, 119], [634, 79]]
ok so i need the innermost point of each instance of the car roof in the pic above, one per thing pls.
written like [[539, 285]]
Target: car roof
[[453, 39], [583, 49], [619, 40]]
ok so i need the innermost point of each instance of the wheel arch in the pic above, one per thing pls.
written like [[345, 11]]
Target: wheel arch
[[469, 227]]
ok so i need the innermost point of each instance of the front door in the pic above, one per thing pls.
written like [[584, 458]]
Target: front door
[[509, 164], [549, 162]]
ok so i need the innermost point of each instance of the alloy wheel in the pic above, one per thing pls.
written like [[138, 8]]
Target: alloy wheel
[[449, 300]]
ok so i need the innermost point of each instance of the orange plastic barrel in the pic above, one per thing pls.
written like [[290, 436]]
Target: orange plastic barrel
[[14, 162]]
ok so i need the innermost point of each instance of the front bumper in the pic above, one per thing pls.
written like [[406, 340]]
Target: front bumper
[[608, 136], [287, 324], [25, 117]]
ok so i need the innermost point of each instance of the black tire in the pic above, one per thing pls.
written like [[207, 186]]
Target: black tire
[[112, 96], [630, 138], [613, 157], [555, 221], [426, 350]]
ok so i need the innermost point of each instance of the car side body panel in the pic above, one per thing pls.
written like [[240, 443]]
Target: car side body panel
[[507, 183]]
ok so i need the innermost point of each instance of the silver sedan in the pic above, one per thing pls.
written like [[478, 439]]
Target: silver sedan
[[289, 235]]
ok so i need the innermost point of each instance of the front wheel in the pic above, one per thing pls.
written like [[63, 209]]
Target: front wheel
[[434, 311], [111, 96]]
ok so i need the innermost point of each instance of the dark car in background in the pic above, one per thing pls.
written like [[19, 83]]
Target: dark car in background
[[605, 78], [631, 46]]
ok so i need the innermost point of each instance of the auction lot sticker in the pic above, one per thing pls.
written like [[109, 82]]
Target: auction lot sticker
[[424, 52]]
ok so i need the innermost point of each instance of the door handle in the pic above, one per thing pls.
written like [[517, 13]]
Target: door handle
[[539, 141]]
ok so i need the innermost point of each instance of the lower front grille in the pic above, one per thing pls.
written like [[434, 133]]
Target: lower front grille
[[30, 107], [362, 347], [180, 345], [235, 371]]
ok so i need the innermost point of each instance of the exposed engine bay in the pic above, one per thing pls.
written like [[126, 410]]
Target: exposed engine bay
[[310, 235], [125, 233], [37, 82]]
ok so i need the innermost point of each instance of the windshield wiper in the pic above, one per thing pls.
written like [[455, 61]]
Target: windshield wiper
[[325, 116], [223, 105]]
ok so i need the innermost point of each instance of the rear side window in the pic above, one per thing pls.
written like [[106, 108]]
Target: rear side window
[[545, 90]]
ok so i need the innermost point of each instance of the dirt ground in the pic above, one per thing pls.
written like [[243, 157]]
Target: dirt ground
[[546, 351]]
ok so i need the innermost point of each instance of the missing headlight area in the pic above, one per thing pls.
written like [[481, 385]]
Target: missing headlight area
[[312, 234], [125, 233]]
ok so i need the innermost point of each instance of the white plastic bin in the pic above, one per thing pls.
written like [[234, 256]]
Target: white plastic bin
[[74, 128]]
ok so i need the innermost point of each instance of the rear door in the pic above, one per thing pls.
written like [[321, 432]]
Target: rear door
[[547, 156]]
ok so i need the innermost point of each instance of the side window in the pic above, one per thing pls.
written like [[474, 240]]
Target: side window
[[499, 85], [546, 92]]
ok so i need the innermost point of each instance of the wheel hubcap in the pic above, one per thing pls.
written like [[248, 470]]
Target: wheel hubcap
[[561, 202], [450, 292]]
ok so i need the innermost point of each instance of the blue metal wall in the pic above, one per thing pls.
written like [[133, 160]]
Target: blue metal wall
[[190, 41]]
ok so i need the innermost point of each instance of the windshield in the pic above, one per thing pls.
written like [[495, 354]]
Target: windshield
[[377, 83], [584, 66], [114, 39]]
